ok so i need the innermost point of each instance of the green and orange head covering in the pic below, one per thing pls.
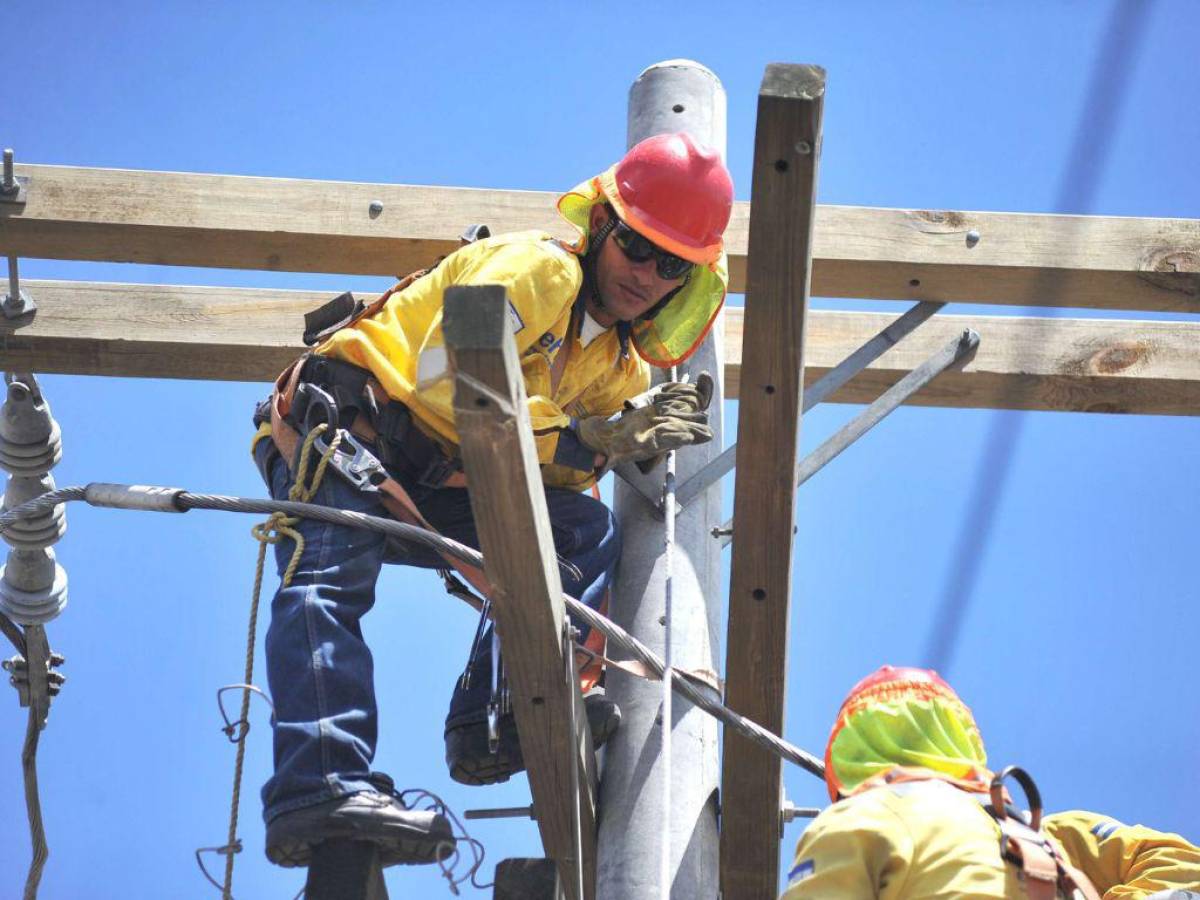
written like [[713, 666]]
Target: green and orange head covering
[[903, 718], [678, 194]]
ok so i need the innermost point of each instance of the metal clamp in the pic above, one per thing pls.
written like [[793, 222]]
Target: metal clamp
[[18, 677]]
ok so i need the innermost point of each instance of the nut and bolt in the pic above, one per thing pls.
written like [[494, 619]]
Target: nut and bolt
[[10, 185]]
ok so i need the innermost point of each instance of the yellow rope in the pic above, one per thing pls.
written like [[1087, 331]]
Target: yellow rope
[[272, 531]]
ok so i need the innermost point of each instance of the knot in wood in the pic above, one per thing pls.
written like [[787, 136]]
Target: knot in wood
[[1173, 269], [937, 221], [1119, 357]]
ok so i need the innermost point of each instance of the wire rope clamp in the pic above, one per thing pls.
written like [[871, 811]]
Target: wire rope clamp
[[144, 497]]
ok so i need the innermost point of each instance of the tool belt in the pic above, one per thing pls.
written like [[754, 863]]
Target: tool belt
[[317, 389]]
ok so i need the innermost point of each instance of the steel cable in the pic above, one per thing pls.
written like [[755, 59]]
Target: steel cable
[[699, 694]]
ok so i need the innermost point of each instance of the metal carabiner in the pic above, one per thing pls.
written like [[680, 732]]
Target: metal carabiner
[[353, 461]]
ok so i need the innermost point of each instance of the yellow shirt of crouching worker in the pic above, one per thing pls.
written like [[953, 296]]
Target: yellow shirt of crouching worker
[[929, 839], [403, 346]]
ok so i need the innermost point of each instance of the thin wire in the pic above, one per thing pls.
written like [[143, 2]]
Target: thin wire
[[1094, 135], [576, 803], [13, 633], [414, 796], [33, 805], [664, 862], [37, 656]]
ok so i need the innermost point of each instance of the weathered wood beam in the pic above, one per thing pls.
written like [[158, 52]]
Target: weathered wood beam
[[238, 334], [509, 504], [787, 147], [227, 221]]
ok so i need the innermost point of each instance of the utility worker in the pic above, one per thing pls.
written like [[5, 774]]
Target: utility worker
[[916, 816], [639, 287]]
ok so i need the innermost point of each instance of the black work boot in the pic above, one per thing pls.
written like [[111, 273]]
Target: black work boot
[[471, 761], [404, 836]]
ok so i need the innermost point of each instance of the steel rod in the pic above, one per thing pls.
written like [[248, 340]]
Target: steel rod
[[875, 413], [501, 812], [668, 506], [828, 384]]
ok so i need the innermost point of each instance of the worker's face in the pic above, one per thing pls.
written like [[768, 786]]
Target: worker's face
[[628, 289]]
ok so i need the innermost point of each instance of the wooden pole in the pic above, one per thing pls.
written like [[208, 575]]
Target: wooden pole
[[786, 150], [509, 504]]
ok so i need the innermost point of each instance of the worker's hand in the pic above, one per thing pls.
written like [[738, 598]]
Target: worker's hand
[[677, 396], [670, 421], [674, 396]]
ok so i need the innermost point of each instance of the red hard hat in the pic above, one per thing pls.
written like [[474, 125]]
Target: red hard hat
[[906, 674], [895, 687], [676, 192]]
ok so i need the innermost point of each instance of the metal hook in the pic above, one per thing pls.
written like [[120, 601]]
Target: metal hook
[[231, 727]]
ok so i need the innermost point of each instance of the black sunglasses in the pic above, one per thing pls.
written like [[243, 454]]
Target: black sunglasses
[[638, 249]]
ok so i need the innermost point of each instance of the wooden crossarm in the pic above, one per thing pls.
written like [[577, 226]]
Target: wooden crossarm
[[294, 225]]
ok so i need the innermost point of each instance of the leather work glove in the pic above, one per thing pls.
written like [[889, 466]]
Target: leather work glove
[[665, 418]]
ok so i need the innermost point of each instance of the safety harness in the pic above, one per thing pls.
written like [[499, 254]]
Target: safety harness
[[1040, 866], [315, 390]]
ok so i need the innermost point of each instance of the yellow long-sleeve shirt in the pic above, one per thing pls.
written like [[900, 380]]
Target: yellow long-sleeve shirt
[[926, 840], [403, 347]]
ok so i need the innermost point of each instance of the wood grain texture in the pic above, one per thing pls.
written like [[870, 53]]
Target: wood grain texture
[[228, 221], [786, 150], [509, 504], [237, 334]]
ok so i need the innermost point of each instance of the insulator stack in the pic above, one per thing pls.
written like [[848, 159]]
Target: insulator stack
[[33, 586]]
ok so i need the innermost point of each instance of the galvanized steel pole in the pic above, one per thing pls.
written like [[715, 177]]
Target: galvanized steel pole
[[678, 95]]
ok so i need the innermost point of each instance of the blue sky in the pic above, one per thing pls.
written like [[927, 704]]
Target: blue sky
[[1077, 650]]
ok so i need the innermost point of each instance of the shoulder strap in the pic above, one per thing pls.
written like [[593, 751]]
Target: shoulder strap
[[1044, 871], [344, 310]]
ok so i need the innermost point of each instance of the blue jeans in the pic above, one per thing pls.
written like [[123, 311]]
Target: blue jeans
[[319, 669]]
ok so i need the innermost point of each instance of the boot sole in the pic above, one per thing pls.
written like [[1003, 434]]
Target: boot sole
[[398, 846]]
